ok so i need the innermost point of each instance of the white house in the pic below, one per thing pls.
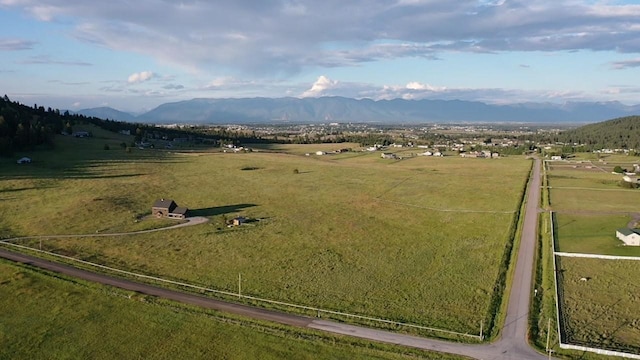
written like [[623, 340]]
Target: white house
[[320, 153], [630, 237], [556, 157], [24, 160]]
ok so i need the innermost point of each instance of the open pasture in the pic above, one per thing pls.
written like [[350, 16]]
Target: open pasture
[[581, 177], [601, 311], [592, 234], [595, 201], [584, 190], [395, 239], [302, 149], [48, 317]]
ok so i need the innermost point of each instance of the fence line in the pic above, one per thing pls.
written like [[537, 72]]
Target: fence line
[[268, 301], [449, 210], [597, 256], [568, 346], [599, 351], [555, 276]]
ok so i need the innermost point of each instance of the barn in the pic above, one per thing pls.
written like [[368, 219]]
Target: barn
[[630, 237], [168, 208]]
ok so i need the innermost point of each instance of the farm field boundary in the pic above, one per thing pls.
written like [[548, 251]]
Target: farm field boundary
[[597, 256], [248, 297], [559, 295], [447, 210]]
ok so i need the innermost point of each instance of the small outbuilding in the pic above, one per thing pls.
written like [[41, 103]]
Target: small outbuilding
[[237, 221], [630, 237], [169, 209], [24, 160]]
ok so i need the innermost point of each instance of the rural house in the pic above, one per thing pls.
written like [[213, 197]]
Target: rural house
[[168, 208], [630, 237]]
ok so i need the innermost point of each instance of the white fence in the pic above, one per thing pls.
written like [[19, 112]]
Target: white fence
[[597, 256], [556, 274]]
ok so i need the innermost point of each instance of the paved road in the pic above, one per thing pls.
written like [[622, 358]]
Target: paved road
[[511, 345]]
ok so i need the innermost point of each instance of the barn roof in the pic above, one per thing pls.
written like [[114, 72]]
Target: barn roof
[[180, 210], [627, 231], [164, 203]]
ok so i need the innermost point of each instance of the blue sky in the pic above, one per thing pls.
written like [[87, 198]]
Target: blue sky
[[133, 56]]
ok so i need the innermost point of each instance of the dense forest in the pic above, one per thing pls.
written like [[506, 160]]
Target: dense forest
[[23, 127]]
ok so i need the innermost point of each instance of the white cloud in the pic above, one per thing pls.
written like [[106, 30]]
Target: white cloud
[[15, 44], [140, 77], [414, 85], [320, 87]]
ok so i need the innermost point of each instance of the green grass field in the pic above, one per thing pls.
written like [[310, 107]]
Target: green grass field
[[46, 317], [603, 311], [600, 312], [581, 177], [592, 234], [417, 240]]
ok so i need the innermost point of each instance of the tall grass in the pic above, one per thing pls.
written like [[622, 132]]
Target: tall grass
[[55, 318]]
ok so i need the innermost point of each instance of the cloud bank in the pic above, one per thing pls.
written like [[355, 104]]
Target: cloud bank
[[287, 36]]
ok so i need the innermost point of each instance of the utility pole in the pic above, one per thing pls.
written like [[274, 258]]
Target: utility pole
[[239, 284], [481, 330]]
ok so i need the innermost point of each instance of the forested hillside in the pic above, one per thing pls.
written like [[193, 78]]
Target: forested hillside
[[620, 133], [27, 128], [23, 127]]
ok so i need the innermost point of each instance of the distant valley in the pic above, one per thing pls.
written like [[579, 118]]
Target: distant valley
[[340, 109]]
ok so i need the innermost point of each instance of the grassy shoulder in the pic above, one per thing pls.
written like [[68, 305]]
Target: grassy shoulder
[[51, 317]]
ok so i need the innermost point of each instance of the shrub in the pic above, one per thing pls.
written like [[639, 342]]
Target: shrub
[[618, 169]]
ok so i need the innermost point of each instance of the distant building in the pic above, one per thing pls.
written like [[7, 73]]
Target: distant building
[[388, 156], [629, 237], [168, 208], [81, 134], [556, 157]]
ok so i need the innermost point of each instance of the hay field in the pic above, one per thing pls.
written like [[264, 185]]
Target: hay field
[[417, 240]]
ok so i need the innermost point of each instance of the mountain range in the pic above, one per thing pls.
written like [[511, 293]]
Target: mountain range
[[343, 110]]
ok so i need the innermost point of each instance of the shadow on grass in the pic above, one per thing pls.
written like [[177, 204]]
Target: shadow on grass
[[24, 189], [219, 210]]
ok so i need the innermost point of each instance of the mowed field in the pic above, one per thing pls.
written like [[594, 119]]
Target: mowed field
[[46, 317], [417, 240], [592, 234], [602, 311], [589, 206], [599, 298]]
